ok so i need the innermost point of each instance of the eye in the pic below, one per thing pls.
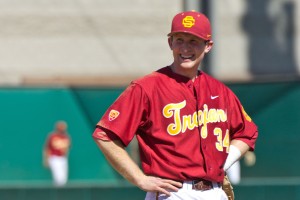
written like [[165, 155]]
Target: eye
[[179, 40], [194, 42]]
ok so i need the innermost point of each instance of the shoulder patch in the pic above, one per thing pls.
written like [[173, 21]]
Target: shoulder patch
[[113, 114]]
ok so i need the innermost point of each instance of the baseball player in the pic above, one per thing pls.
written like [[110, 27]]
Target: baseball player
[[56, 153], [190, 127]]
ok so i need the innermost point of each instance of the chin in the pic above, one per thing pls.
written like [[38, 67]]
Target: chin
[[187, 65]]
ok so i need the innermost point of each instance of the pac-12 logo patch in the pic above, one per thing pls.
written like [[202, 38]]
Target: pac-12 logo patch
[[113, 114], [188, 21]]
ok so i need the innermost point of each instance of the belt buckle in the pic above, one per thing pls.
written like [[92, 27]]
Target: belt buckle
[[201, 185]]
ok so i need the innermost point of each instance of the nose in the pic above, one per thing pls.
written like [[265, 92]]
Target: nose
[[186, 47]]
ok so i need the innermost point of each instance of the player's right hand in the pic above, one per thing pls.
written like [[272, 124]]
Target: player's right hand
[[156, 184]]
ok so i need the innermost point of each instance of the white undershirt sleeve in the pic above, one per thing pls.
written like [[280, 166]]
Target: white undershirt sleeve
[[233, 155]]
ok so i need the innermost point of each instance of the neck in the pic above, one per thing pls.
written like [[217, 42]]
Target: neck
[[190, 73]]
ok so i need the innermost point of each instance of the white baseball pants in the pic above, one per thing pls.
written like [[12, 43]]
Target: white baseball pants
[[187, 193], [59, 169]]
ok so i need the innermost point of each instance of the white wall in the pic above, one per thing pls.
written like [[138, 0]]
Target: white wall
[[44, 38], [48, 39]]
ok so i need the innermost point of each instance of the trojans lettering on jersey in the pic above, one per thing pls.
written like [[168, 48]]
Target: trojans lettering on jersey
[[202, 117], [198, 118]]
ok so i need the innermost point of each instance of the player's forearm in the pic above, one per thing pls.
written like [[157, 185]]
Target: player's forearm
[[240, 145], [117, 156]]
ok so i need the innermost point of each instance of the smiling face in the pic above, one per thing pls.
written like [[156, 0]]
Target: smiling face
[[188, 52]]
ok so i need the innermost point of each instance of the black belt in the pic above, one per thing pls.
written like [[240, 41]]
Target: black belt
[[202, 184]]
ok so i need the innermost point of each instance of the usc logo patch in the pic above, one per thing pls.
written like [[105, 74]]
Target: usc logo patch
[[188, 21], [113, 114]]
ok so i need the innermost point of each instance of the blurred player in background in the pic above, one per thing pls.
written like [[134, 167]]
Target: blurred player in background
[[190, 127], [55, 153]]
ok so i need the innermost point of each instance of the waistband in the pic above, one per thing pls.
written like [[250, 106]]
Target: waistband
[[200, 184]]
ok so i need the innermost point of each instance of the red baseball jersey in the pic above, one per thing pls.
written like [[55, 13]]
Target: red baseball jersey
[[58, 144], [184, 127]]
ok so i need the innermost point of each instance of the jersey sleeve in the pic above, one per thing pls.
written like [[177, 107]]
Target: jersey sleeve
[[127, 114], [242, 126], [104, 134]]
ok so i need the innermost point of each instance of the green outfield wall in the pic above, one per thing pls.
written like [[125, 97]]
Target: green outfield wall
[[29, 113]]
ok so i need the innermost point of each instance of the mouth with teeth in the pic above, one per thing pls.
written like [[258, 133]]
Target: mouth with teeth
[[186, 57]]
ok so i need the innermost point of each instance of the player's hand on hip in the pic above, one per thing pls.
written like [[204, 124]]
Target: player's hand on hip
[[156, 184]]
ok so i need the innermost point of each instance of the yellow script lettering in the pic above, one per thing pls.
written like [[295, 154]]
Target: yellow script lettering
[[196, 119]]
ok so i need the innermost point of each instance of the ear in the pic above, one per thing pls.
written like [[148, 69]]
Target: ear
[[209, 45], [170, 42]]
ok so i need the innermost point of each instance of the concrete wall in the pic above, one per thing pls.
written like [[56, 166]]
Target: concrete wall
[[48, 41], [255, 39], [53, 38]]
